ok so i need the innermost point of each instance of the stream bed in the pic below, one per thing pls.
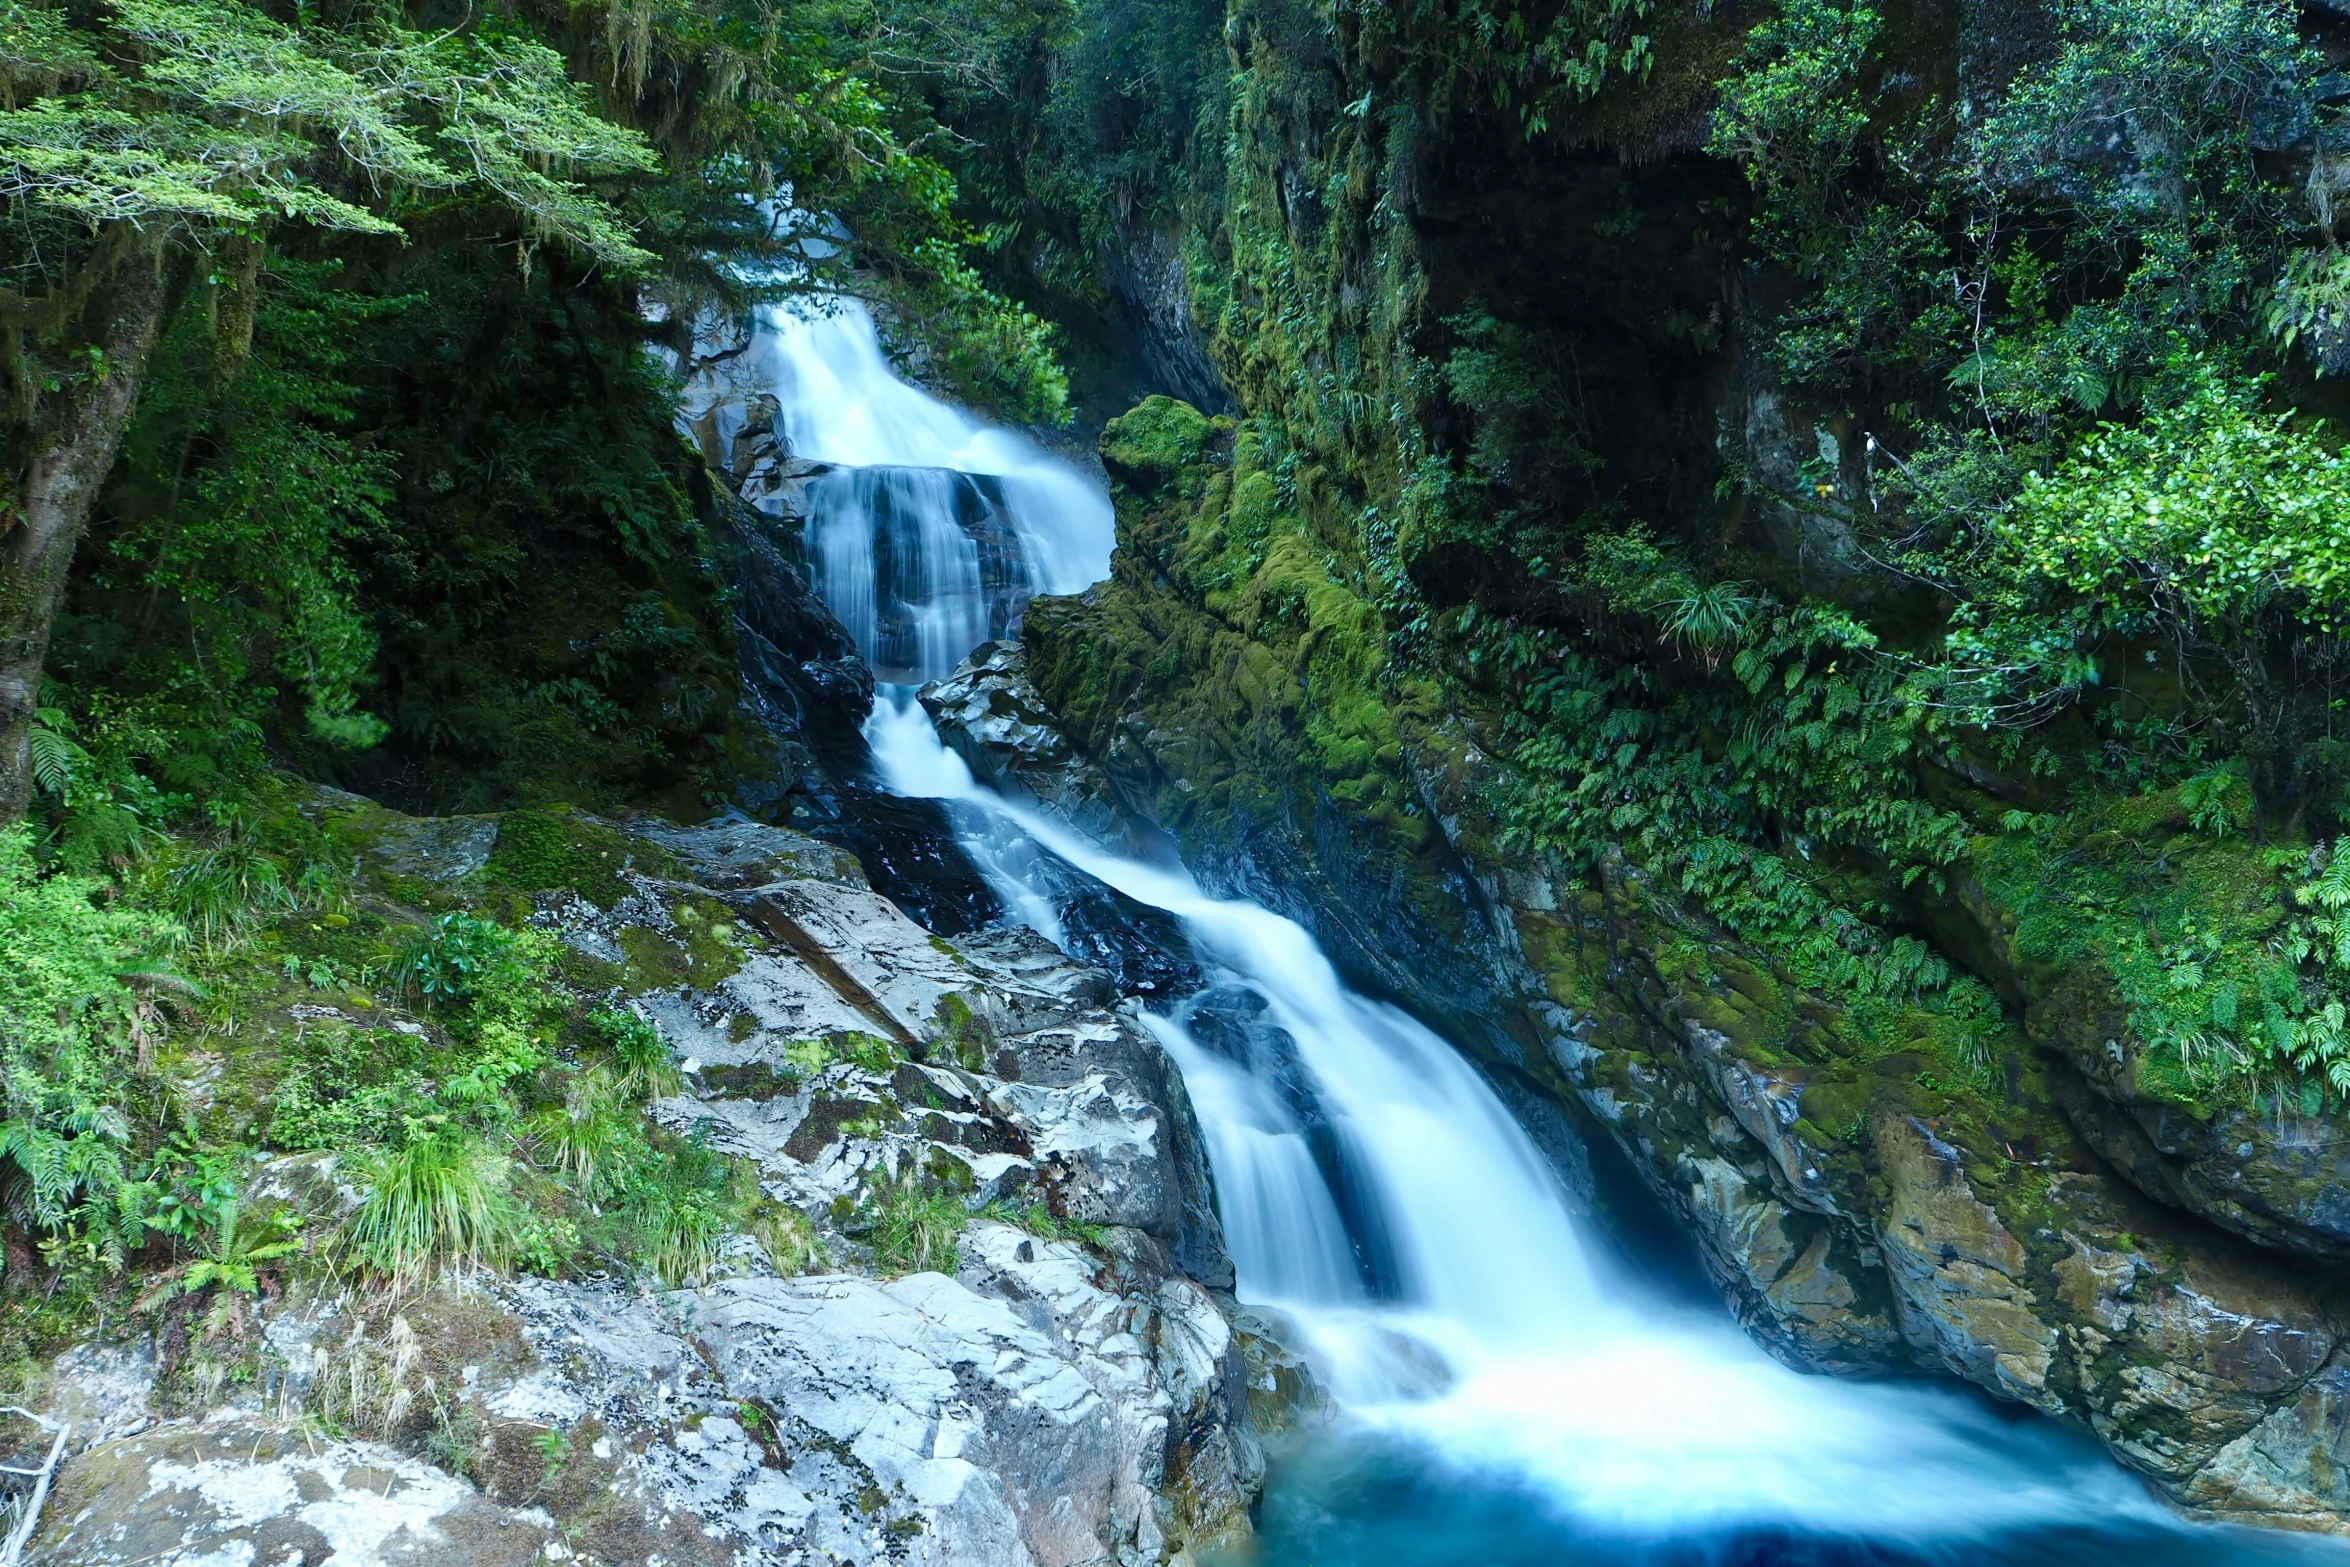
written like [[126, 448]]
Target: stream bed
[[1511, 1389]]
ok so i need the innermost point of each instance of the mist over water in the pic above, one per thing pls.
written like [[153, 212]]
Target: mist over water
[[1512, 1393]]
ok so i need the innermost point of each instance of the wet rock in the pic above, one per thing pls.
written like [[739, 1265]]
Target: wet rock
[[801, 670], [1957, 1272], [1143, 949], [2275, 1177], [910, 854], [906, 983], [990, 714], [1023, 1411], [1102, 1151], [1052, 1402]]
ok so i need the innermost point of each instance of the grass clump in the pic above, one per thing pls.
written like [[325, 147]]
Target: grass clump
[[441, 1201], [679, 1200], [912, 1223], [1040, 1221], [645, 1069]]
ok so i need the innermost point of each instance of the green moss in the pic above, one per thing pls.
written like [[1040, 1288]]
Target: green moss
[[867, 1052], [550, 848], [967, 1037], [1160, 442]]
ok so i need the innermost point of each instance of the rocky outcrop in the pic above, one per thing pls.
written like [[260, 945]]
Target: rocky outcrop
[[268, 1497], [1066, 1381], [989, 712]]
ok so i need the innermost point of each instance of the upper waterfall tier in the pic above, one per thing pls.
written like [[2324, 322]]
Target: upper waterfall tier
[[921, 564], [928, 529]]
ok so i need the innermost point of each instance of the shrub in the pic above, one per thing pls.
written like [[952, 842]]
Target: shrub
[[2202, 514], [77, 987], [459, 958]]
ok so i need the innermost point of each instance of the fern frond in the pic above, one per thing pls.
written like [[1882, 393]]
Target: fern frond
[[57, 761]]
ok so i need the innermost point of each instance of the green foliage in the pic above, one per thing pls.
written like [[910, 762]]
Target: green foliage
[[1038, 1219], [461, 958], [78, 987], [679, 1200], [590, 1134], [646, 1069], [251, 549], [2043, 259], [911, 1222], [1794, 110], [211, 113], [443, 1200], [219, 890], [2201, 515], [1525, 391], [2217, 801], [231, 1251], [1532, 62]]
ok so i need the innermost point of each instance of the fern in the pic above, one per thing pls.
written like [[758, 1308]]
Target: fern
[[58, 762]]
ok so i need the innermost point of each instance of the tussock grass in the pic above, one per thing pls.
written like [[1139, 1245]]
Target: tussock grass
[[913, 1225], [440, 1201]]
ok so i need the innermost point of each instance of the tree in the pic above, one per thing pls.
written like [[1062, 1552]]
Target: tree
[[157, 149]]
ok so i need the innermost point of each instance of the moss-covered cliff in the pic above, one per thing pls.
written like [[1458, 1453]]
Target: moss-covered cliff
[[1639, 623]]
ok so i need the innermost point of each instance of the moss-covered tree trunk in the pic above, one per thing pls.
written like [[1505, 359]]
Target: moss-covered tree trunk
[[80, 401]]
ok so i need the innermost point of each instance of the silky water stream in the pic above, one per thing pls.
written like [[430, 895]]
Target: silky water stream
[[1514, 1391]]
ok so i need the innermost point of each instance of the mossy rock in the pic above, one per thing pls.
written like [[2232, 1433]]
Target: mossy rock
[[1154, 443], [554, 848]]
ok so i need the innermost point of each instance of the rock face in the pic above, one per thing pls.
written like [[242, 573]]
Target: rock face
[[267, 1498], [1067, 1389], [990, 713]]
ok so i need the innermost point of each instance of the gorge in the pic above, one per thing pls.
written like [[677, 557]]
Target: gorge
[[1062, 781], [1424, 1255]]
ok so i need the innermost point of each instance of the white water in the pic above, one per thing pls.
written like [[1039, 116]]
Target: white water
[[890, 545], [1506, 1342]]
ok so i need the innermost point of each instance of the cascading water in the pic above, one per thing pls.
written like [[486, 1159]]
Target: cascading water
[[1371, 1184], [928, 530]]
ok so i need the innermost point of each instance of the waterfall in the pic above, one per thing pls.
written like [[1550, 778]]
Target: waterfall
[[928, 530], [1374, 1190]]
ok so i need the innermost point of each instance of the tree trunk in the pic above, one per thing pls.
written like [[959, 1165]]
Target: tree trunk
[[76, 431]]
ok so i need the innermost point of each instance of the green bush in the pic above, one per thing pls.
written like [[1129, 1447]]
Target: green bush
[[2200, 516], [79, 981], [459, 958]]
